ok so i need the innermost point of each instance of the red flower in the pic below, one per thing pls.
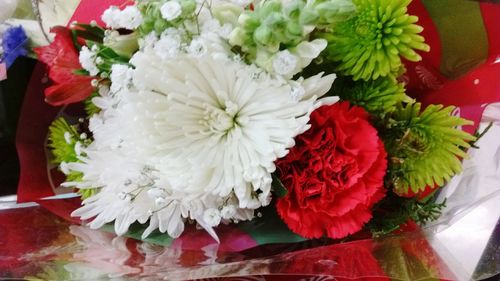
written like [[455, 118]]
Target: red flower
[[334, 174], [62, 58]]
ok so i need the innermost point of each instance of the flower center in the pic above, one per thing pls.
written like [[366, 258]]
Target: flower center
[[221, 120]]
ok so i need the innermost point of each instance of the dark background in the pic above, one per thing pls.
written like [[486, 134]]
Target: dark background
[[11, 96]]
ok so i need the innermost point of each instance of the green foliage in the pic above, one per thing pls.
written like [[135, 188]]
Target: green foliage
[[278, 187], [90, 107], [425, 147], [393, 211], [62, 140], [370, 44], [378, 97], [90, 32], [106, 57]]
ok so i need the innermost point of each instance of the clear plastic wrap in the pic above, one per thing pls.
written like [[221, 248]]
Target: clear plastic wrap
[[463, 244]]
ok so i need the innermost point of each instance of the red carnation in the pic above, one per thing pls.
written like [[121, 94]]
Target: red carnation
[[62, 58], [334, 174]]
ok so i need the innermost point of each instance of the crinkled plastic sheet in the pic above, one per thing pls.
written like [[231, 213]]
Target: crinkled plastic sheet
[[38, 244], [468, 231], [462, 244]]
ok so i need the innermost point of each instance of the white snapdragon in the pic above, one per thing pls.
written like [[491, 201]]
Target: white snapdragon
[[87, 59], [171, 10]]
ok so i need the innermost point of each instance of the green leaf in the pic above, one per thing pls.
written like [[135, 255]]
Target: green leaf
[[393, 211], [278, 187], [269, 229], [93, 33], [81, 72]]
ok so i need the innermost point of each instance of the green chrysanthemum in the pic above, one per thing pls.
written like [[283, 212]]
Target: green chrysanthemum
[[62, 141], [377, 96], [370, 44], [425, 147]]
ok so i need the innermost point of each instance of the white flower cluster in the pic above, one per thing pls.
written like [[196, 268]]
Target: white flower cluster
[[190, 132], [88, 59], [171, 10], [128, 18]]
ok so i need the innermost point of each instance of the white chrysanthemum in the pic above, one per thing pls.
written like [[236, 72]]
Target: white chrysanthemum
[[193, 134]]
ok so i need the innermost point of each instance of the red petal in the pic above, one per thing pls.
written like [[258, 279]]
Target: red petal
[[61, 51], [76, 90]]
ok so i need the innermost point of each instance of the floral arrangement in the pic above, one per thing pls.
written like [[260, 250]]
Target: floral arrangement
[[204, 112]]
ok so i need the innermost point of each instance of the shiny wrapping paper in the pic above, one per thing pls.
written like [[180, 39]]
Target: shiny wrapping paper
[[461, 69], [38, 245]]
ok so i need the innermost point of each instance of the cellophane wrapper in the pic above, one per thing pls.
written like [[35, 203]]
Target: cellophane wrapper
[[462, 69]]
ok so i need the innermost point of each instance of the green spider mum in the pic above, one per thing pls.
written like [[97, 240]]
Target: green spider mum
[[62, 141], [425, 147], [370, 44], [377, 96]]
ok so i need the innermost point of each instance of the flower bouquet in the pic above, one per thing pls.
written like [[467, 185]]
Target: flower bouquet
[[282, 121]]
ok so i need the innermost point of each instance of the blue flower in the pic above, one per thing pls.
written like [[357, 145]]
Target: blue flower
[[14, 42]]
